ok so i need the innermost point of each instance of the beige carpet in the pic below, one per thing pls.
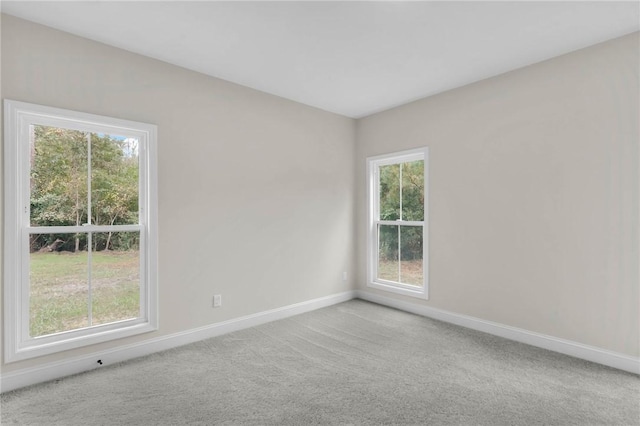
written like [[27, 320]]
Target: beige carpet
[[354, 363]]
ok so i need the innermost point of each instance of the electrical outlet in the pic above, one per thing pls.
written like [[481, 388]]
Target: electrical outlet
[[217, 300], [344, 276]]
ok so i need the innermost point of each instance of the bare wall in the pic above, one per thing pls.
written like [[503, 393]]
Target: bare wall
[[533, 193], [256, 193], [534, 186]]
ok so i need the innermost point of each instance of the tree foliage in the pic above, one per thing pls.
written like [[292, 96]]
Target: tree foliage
[[62, 196], [401, 198]]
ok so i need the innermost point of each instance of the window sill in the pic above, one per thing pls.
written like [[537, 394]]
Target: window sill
[[417, 292], [71, 340]]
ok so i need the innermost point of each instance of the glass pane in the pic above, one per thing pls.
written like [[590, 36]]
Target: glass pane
[[114, 180], [388, 253], [390, 192], [58, 176], [413, 190], [58, 284], [411, 255], [115, 277]]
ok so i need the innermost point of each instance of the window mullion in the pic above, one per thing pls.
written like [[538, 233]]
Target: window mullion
[[88, 178], [82, 228], [399, 256], [376, 202], [399, 232], [89, 234], [89, 273], [400, 189], [401, 222]]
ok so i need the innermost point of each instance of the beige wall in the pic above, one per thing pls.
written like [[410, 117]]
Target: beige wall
[[534, 186], [256, 193], [533, 192]]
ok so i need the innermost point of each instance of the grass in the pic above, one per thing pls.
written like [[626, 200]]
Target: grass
[[59, 291], [411, 271]]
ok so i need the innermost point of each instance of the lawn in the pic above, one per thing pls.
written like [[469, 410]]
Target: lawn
[[59, 290], [411, 271]]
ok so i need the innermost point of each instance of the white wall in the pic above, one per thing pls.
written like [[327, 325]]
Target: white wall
[[256, 193], [534, 195]]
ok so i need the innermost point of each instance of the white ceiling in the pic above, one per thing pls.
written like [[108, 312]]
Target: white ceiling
[[351, 58]]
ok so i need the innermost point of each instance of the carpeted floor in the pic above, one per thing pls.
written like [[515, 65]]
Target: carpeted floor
[[353, 363]]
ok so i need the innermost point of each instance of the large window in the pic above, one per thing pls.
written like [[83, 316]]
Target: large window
[[398, 237], [80, 229]]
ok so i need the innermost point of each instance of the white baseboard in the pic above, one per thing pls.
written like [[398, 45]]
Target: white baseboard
[[567, 347], [54, 370]]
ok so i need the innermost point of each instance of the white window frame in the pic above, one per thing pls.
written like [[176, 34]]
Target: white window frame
[[373, 212], [18, 116]]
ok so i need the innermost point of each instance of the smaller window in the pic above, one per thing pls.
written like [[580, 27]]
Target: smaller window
[[398, 235]]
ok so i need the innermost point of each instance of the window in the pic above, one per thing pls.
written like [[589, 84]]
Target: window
[[80, 229], [398, 239]]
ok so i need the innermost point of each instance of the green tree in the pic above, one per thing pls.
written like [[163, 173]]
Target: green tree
[[401, 198], [58, 179], [114, 182], [59, 184]]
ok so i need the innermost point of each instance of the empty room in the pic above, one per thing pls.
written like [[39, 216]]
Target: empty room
[[299, 213]]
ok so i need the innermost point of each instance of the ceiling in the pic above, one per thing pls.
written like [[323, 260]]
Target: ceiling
[[353, 58]]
